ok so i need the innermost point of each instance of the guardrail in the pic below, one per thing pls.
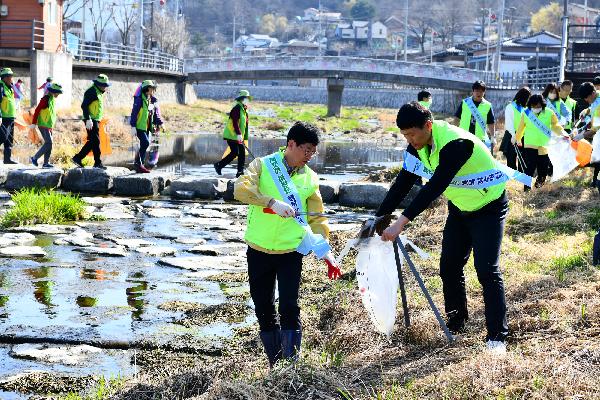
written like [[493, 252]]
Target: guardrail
[[22, 34], [116, 54], [535, 79]]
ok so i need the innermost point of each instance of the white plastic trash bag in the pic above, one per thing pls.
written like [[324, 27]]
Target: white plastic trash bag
[[595, 149], [562, 156], [377, 277]]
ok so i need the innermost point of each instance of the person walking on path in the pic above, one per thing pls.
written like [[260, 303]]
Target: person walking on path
[[281, 191], [45, 117], [475, 115], [93, 111], [45, 85], [235, 132], [19, 93], [8, 113], [477, 208], [145, 121], [538, 124], [512, 119]]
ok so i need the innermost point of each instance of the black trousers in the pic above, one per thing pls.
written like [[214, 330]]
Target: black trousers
[[535, 161], [263, 269], [237, 150], [508, 149], [7, 136], [92, 144], [480, 231]]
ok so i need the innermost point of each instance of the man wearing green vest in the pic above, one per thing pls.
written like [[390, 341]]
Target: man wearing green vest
[[283, 193], [45, 117], [8, 112], [424, 98], [93, 111], [145, 121], [477, 206], [566, 87], [235, 132], [475, 115]]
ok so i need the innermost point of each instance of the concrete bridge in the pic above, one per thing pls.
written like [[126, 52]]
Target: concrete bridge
[[334, 69]]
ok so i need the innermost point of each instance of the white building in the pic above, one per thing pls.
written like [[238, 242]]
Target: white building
[[361, 30], [314, 15], [253, 42]]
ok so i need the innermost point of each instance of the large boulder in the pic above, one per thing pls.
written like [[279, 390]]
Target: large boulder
[[362, 194], [49, 178], [203, 188], [330, 191], [92, 180], [5, 169], [142, 184]]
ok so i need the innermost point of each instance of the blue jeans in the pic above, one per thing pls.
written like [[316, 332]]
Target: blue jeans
[[144, 138], [46, 148]]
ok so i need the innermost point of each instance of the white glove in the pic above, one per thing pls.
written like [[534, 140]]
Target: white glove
[[0, 120], [283, 209], [133, 130], [89, 124], [513, 139], [240, 139], [32, 126]]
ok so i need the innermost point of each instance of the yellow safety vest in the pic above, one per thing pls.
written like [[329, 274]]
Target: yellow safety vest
[[465, 118]]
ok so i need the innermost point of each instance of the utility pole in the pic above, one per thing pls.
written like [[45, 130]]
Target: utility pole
[[487, 40], [233, 47], [83, 22], [585, 18], [141, 33], [320, 28], [500, 23], [564, 42], [406, 31], [431, 49]]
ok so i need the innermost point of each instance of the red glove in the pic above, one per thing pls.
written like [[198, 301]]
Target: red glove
[[333, 271]]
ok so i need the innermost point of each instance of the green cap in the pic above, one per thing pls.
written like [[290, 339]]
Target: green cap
[[102, 80], [244, 93], [6, 72], [55, 88], [148, 83]]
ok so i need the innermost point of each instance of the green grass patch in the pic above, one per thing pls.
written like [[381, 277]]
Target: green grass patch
[[105, 390], [565, 264], [42, 206], [593, 218]]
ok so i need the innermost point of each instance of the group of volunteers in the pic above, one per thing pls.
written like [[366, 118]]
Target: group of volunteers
[[145, 119], [286, 220]]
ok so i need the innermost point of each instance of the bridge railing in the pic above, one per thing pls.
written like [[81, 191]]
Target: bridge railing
[[117, 54], [536, 79], [22, 34]]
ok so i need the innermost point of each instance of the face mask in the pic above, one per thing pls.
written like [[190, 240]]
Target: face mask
[[245, 101], [537, 110], [552, 96]]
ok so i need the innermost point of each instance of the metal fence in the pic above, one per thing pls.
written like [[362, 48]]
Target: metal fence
[[116, 54], [536, 79], [22, 34]]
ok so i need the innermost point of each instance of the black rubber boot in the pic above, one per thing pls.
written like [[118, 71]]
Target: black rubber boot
[[596, 251], [290, 344], [272, 343]]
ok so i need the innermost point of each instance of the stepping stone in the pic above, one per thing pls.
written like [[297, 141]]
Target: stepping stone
[[44, 229], [142, 184], [204, 188], [190, 240], [210, 223], [92, 180], [22, 251], [49, 178], [157, 251], [222, 263], [103, 251], [163, 213], [205, 213], [216, 249], [102, 201], [11, 239], [65, 355], [129, 243]]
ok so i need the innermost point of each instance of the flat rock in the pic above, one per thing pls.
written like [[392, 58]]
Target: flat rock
[[216, 249], [65, 355], [210, 223], [330, 191], [104, 251], [115, 211], [203, 188], [49, 178], [205, 213], [92, 180], [362, 194], [233, 236], [163, 213], [196, 263], [130, 243], [102, 201], [12, 239], [157, 251], [5, 169], [45, 229], [22, 251], [190, 240], [142, 184]]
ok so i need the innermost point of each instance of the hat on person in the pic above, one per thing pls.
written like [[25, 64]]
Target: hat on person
[[102, 80], [55, 88], [148, 83], [6, 72], [244, 93], [49, 79]]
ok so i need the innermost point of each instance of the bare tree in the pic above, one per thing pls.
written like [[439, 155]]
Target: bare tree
[[170, 33], [125, 18], [72, 7], [420, 26], [102, 12]]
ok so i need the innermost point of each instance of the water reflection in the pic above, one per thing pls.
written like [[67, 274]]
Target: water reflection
[[97, 274], [86, 301], [42, 288], [135, 294]]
